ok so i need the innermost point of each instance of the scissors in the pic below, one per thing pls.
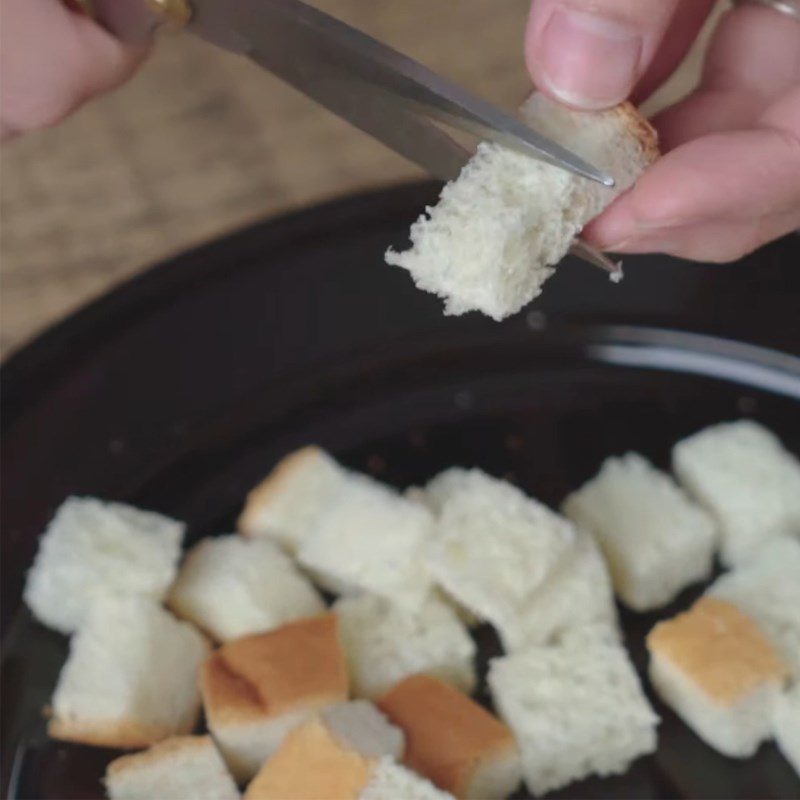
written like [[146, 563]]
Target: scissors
[[379, 90]]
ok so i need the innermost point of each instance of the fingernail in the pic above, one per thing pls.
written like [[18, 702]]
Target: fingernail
[[588, 60], [617, 246], [635, 244]]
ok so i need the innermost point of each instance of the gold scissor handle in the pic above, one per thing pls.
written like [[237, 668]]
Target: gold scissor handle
[[134, 21]]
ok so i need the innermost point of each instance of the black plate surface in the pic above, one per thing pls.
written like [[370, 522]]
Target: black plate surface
[[178, 391]]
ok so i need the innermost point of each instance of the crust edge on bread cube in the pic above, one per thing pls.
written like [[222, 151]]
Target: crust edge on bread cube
[[717, 670]]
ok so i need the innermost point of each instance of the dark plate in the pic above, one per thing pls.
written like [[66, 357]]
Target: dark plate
[[178, 391]]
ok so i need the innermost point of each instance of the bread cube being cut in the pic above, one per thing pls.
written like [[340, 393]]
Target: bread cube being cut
[[451, 740], [231, 586], [767, 588], [655, 540], [370, 539], [130, 679], [385, 643], [577, 593], [290, 500], [498, 230], [577, 709], [748, 481], [493, 545], [176, 769], [257, 689], [718, 671], [92, 549]]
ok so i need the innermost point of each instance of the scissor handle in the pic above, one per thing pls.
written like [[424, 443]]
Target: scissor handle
[[134, 21]]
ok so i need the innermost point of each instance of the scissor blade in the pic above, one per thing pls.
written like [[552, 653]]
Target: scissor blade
[[376, 113], [303, 46]]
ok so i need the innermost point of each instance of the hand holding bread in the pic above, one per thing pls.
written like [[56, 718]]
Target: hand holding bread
[[730, 177]]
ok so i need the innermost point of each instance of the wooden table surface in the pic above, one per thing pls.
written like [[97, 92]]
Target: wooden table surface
[[202, 142]]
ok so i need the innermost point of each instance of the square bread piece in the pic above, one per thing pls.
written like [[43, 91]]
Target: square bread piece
[[655, 540], [577, 593], [715, 668], [494, 545], [453, 741], [256, 689], [370, 539], [176, 769], [131, 677], [231, 586], [384, 644], [391, 781], [498, 229], [768, 589], [92, 548], [787, 726], [745, 477], [290, 500], [576, 707], [316, 762]]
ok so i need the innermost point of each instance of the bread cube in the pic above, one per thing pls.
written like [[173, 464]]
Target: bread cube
[[494, 545], [175, 769], [451, 740], [787, 726], [314, 763], [384, 644], [290, 500], [743, 475], [577, 709], [363, 727], [716, 669], [257, 689], [391, 781], [91, 549], [497, 230], [131, 677], [655, 540], [370, 539], [576, 594], [768, 589], [231, 586]]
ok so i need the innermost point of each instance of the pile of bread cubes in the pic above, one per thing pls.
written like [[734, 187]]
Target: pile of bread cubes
[[370, 698]]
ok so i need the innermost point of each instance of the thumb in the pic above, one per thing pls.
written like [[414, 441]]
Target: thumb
[[590, 53]]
